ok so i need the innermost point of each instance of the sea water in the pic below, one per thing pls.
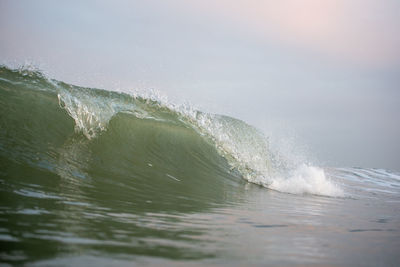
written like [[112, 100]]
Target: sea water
[[94, 177]]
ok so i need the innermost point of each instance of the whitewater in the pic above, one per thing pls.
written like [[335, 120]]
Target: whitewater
[[90, 176]]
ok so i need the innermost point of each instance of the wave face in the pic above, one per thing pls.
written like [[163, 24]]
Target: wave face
[[77, 132]]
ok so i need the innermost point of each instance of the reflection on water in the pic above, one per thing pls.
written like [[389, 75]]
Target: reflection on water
[[66, 222]]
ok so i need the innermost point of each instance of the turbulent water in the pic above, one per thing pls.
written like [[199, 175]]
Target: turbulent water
[[96, 177]]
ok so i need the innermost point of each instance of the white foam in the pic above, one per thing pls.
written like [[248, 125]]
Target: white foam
[[306, 180]]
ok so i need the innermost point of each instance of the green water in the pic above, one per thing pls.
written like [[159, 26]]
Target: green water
[[91, 177]]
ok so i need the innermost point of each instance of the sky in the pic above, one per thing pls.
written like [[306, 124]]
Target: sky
[[324, 73]]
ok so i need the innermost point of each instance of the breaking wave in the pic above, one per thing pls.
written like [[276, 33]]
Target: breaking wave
[[80, 133]]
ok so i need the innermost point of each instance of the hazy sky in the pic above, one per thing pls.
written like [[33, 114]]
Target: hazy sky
[[326, 72]]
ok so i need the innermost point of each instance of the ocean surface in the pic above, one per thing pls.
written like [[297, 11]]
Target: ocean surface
[[90, 177]]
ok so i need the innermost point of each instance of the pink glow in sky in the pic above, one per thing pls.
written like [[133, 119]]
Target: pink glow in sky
[[365, 32]]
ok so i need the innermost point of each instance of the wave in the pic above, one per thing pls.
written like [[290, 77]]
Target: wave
[[79, 133]]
